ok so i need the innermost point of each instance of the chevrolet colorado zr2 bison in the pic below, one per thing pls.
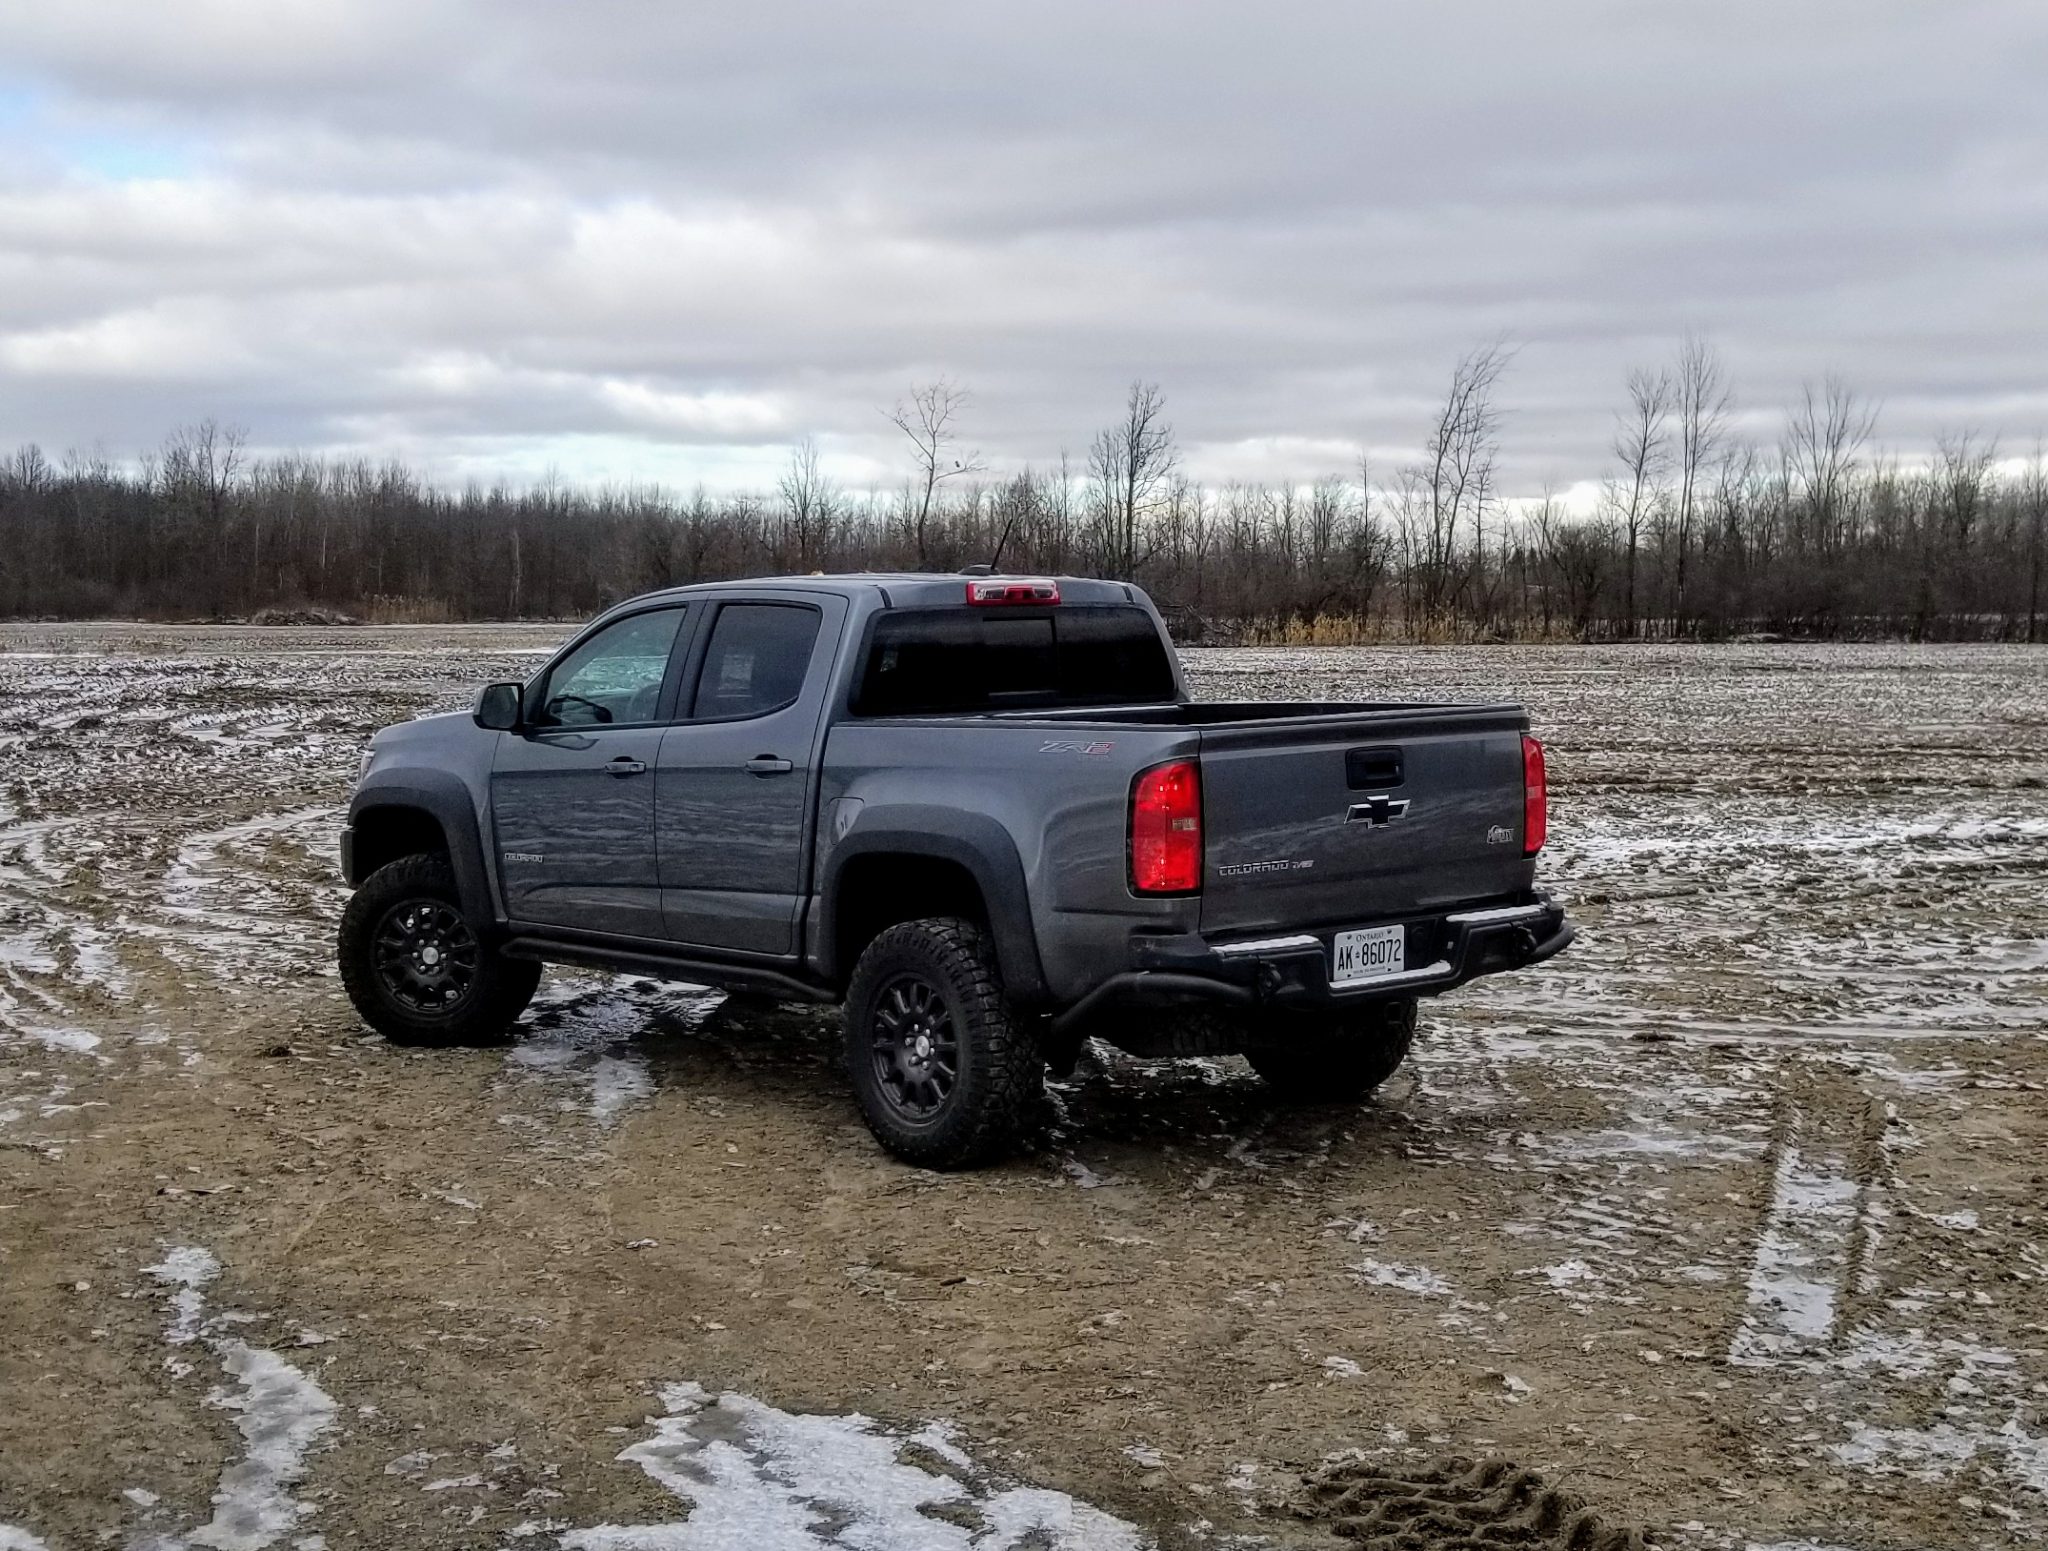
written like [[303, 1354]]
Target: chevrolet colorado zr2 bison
[[981, 812]]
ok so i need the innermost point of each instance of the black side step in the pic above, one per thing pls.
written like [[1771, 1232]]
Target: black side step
[[641, 959]]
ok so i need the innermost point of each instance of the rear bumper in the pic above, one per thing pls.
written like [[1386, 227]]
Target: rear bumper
[[1293, 971]]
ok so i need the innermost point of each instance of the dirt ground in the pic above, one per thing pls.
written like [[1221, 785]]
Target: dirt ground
[[1730, 1222]]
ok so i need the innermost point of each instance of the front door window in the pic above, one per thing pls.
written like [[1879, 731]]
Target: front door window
[[615, 677]]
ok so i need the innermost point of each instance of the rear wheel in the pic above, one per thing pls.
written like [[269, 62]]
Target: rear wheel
[[944, 1072], [414, 968], [1334, 1057]]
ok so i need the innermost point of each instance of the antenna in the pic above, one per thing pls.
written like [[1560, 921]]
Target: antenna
[[1004, 538]]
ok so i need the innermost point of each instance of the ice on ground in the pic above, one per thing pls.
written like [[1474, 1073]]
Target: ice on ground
[[1937, 1452], [1419, 1280], [14, 1538], [586, 1028], [1568, 1278], [282, 1414], [1801, 1258], [615, 1081], [755, 1476], [190, 1269]]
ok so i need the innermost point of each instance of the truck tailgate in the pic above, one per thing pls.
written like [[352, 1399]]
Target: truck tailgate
[[1326, 821]]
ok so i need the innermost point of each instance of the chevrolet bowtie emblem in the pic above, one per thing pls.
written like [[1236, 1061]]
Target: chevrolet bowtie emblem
[[1377, 810]]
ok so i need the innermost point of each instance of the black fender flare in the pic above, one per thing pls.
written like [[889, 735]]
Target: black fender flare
[[444, 798], [977, 843]]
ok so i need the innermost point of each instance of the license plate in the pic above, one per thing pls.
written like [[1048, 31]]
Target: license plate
[[1370, 953]]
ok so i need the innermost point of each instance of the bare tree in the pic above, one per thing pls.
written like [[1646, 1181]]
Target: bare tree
[[1576, 553], [1640, 445], [1455, 480], [1132, 464], [930, 422], [1824, 439], [1703, 399], [809, 498], [2033, 502]]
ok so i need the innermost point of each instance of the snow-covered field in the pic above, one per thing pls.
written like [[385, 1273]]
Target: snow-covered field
[[1730, 1222]]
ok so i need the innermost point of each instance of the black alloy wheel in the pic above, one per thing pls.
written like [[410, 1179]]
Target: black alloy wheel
[[916, 1047], [426, 956]]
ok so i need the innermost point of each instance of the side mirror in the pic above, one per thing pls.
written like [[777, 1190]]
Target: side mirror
[[497, 708]]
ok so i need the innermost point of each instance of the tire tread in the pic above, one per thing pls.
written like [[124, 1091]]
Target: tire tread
[[1004, 1065], [507, 985]]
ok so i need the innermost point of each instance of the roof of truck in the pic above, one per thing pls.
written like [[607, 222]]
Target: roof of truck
[[909, 589]]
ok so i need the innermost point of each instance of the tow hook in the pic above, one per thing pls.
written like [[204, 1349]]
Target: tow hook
[[1525, 943]]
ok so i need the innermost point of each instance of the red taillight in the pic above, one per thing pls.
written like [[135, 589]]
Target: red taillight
[[1535, 797], [1166, 829], [1001, 590]]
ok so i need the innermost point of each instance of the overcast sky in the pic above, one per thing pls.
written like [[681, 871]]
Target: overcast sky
[[661, 241]]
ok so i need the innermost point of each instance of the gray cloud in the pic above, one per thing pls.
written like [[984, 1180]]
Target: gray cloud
[[650, 241]]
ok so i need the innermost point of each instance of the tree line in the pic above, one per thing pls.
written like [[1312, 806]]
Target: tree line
[[1698, 532]]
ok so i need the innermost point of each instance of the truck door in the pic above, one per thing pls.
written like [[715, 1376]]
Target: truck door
[[735, 784], [572, 795]]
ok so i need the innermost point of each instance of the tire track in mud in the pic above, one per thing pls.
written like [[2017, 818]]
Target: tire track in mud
[[1817, 1236], [1852, 1319], [1456, 1505]]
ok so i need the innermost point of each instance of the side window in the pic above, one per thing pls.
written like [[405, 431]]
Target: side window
[[756, 660], [615, 676]]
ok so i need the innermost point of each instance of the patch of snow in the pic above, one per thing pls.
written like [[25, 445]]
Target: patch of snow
[[1565, 1274], [283, 1414], [1419, 1280], [1084, 1176], [1926, 1452], [190, 1269], [755, 1476], [939, 1437]]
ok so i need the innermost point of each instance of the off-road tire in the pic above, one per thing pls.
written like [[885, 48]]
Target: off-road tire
[[497, 992], [998, 1074], [1333, 1058]]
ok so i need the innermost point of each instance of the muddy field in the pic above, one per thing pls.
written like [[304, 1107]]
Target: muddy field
[[1731, 1223]]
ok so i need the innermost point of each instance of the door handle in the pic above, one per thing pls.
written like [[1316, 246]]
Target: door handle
[[625, 765], [768, 764]]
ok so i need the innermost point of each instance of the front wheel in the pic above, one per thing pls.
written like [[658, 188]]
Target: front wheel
[[414, 968], [944, 1072], [1334, 1057]]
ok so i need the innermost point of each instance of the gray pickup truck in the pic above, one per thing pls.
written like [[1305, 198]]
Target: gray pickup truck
[[980, 811]]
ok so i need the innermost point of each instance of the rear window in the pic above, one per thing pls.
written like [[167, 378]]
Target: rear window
[[945, 661]]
